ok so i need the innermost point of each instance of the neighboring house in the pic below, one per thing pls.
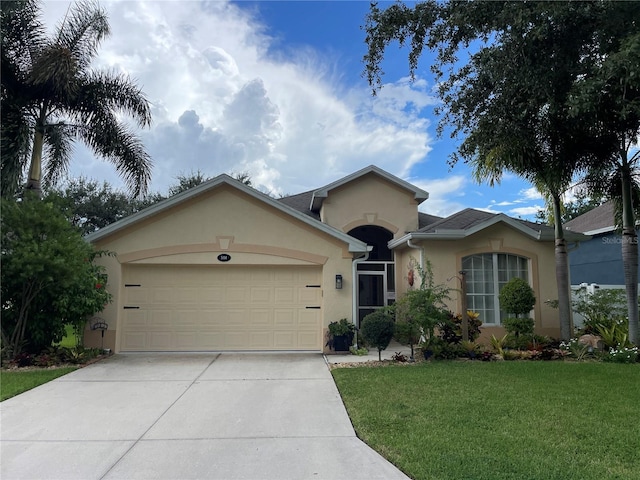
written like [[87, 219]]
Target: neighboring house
[[225, 267], [598, 260]]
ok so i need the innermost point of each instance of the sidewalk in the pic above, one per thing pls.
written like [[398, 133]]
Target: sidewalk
[[372, 356]]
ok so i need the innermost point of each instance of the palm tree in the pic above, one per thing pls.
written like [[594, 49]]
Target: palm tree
[[619, 179], [52, 97]]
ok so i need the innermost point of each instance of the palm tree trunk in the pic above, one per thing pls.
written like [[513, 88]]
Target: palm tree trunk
[[34, 182], [562, 273], [629, 252]]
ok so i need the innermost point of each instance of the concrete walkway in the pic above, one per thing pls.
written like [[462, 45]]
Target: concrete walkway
[[193, 416]]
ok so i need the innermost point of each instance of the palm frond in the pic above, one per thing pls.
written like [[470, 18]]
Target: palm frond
[[112, 91], [15, 147], [117, 144], [81, 32], [59, 147]]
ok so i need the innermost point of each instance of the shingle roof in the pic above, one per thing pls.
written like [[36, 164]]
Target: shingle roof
[[599, 219], [470, 221], [425, 219], [301, 202]]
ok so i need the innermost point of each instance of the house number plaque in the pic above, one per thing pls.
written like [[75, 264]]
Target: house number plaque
[[224, 257]]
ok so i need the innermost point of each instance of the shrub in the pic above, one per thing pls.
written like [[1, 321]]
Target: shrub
[[622, 355], [48, 278], [518, 327], [377, 330], [603, 307], [451, 328], [517, 297]]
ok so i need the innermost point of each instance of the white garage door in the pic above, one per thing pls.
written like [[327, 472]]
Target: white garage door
[[187, 308]]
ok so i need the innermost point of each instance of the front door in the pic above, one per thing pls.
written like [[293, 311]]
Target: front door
[[371, 293]]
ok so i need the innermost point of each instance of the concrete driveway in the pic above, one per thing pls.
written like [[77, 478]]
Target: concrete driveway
[[187, 416]]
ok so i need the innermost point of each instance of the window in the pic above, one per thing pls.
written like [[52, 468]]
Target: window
[[487, 273]]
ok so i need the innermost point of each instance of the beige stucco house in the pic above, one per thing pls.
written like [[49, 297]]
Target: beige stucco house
[[225, 267]]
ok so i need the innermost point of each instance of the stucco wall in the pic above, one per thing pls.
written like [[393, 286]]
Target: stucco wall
[[371, 200], [226, 220], [446, 259]]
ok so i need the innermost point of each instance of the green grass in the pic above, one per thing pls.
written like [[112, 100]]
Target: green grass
[[499, 420], [13, 383]]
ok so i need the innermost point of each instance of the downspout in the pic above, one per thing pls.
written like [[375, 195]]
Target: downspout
[[354, 292]]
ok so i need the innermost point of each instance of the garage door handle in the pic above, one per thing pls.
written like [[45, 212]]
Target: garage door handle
[[313, 308], [313, 286], [130, 308]]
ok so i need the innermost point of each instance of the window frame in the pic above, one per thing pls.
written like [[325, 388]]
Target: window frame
[[499, 277]]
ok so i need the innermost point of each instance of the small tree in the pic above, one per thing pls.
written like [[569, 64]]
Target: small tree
[[48, 278], [517, 297], [377, 330]]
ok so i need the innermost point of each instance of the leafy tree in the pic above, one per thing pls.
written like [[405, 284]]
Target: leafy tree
[[582, 204], [90, 205], [48, 277], [52, 97], [512, 99], [377, 330]]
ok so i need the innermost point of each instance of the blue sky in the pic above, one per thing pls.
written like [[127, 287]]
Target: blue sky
[[275, 88]]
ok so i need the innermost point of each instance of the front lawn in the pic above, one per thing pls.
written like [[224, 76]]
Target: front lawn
[[499, 420], [15, 382]]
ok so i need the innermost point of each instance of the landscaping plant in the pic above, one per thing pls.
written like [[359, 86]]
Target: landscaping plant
[[603, 307], [377, 330], [48, 278], [517, 298]]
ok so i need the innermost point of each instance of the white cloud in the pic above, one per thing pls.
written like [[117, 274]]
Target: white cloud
[[442, 194], [221, 104], [530, 194], [525, 211]]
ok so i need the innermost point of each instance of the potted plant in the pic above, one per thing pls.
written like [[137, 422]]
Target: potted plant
[[341, 335]]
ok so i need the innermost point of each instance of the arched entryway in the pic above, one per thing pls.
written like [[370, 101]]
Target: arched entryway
[[376, 276]]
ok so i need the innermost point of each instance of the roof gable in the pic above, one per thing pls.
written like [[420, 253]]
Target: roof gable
[[320, 194], [355, 245], [470, 221]]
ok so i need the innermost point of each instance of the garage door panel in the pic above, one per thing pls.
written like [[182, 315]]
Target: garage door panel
[[284, 318], [134, 341], [163, 295], [260, 340], [260, 318], [308, 318], [282, 339], [160, 340], [284, 295], [236, 317], [187, 295], [187, 318], [186, 340], [188, 308], [160, 318], [236, 294], [308, 339], [136, 295], [136, 318], [261, 295], [309, 296]]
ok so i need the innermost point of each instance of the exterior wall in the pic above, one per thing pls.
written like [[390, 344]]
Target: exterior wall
[[225, 220], [371, 200], [446, 260], [598, 260]]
